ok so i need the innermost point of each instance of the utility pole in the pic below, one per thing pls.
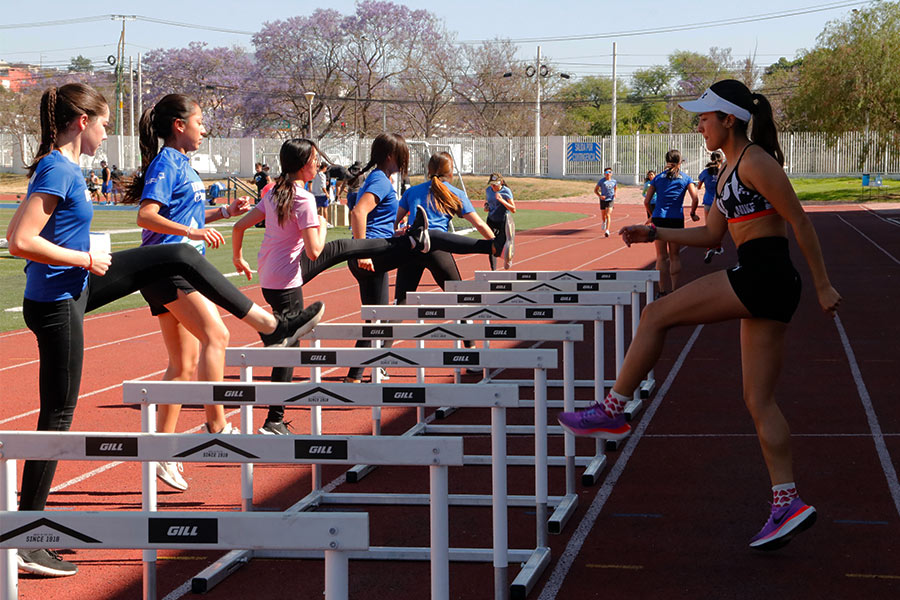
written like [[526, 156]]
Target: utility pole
[[614, 82], [120, 58], [537, 114], [131, 112], [140, 92]]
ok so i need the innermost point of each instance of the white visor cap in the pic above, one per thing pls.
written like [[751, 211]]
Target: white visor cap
[[709, 101]]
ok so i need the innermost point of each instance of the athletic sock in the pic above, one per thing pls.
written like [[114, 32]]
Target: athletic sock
[[614, 403], [783, 494]]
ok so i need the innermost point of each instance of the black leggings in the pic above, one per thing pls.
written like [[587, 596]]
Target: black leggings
[[439, 263], [283, 302], [496, 227], [59, 328]]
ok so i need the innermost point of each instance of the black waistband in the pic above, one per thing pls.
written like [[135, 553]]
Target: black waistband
[[757, 250]]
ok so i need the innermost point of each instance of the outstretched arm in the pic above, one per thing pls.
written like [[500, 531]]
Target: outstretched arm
[[708, 236]]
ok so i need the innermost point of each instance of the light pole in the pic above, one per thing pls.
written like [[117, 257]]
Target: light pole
[[309, 98]]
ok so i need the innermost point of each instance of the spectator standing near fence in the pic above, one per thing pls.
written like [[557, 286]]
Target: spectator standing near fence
[[755, 203], [648, 180]]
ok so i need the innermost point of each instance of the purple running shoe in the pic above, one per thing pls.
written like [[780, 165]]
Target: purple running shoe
[[594, 422], [784, 523]]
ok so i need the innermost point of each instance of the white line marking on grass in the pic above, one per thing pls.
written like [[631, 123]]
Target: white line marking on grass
[[558, 576], [883, 455], [888, 254]]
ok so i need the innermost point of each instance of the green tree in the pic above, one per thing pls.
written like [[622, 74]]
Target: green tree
[[851, 79], [81, 64], [590, 105], [779, 82], [650, 87]]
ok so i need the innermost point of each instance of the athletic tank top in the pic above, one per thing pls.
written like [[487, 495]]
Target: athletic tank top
[[739, 203]]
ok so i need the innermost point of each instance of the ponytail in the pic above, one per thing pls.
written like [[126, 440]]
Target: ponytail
[[764, 132], [673, 157], [442, 199], [59, 107], [282, 195], [155, 123], [293, 156]]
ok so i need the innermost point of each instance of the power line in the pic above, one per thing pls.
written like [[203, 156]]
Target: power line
[[676, 28]]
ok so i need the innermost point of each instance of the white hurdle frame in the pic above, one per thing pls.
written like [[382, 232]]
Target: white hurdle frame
[[496, 396], [648, 277], [335, 534]]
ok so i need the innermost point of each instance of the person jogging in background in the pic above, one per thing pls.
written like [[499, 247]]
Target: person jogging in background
[[670, 187], [106, 182], [498, 202], [606, 191], [755, 203], [707, 179], [65, 278], [172, 210]]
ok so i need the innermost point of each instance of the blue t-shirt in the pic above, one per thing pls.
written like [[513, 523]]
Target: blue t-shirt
[[171, 181], [419, 195], [497, 211], [710, 181], [647, 184], [608, 189], [69, 226], [670, 195], [380, 221]]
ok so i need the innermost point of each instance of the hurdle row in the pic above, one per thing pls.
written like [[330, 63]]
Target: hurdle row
[[497, 397], [339, 536]]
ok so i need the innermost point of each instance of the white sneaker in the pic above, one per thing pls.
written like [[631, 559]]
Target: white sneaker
[[384, 374], [606, 233], [228, 429], [170, 474]]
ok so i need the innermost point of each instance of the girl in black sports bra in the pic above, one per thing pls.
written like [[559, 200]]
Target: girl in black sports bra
[[755, 203]]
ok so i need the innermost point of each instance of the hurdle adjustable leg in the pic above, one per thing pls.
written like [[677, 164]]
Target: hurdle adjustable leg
[[148, 503], [247, 427], [9, 569], [498, 506], [636, 405], [591, 474], [570, 501], [650, 382], [440, 531], [356, 473]]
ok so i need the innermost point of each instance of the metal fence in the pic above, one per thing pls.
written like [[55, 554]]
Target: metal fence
[[806, 154]]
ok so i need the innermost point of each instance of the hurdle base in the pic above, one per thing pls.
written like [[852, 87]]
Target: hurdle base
[[412, 553], [444, 412], [591, 474], [529, 574], [647, 387], [355, 474], [215, 573], [633, 409], [613, 445], [562, 513]]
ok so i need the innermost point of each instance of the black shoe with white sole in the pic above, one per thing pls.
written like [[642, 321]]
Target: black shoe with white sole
[[292, 327], [418, 232], [45, 563]]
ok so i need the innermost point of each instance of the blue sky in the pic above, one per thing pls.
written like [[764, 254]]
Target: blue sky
[[471, 19]]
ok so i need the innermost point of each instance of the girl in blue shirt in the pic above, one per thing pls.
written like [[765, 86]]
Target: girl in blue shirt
[[65, 278], [441, 202], [173, 210], [708, 178], [606, 191], [648, 181], [670, 187]]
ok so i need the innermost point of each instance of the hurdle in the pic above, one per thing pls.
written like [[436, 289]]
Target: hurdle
[[648, 277], [568, 334], [497, 397], [335, 534], [446, 358]]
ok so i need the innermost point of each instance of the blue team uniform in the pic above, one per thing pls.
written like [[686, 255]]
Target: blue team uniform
[[380, 220], [710, 181], [496, 211], [68, 226], [417, 196], [171, 181], [670, 195], [608, 189]]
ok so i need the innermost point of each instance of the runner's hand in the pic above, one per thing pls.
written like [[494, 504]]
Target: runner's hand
[[242, 266], [100, 262], [829, 299], [633, 234], [365, 264], [209, 236]]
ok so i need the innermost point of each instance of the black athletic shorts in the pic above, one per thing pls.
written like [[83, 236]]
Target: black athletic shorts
[[605, 204], [765, 279], [163, 291], [668, 223]]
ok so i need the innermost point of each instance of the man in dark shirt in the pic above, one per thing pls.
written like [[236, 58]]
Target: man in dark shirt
[[341, 175], [260, 178]]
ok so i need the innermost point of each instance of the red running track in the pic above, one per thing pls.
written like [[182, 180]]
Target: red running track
[[677, 505]]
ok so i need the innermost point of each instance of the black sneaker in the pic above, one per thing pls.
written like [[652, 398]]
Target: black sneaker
[[45, 563], [275, 428], [294, 326], [418, 232]]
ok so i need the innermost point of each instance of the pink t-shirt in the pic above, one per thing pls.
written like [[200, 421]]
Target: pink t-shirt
[[282, 246]]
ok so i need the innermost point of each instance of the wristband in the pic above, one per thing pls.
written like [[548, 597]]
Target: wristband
[[225, 213], [189, 232], [652, 235]]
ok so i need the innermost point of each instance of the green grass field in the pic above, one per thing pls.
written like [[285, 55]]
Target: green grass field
[[844, 189], [125, 234]]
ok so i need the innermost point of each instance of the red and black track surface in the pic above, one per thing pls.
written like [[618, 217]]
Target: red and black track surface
[[675, 507]]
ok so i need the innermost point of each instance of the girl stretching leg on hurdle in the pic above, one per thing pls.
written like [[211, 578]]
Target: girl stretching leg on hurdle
[[172, 210], [754, 203], [65, 278]]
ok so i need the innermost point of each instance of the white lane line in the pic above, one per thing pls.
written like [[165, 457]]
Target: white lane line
[[888, 254], [558, 576], [889, 220], [878, 437], [103, 345]]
